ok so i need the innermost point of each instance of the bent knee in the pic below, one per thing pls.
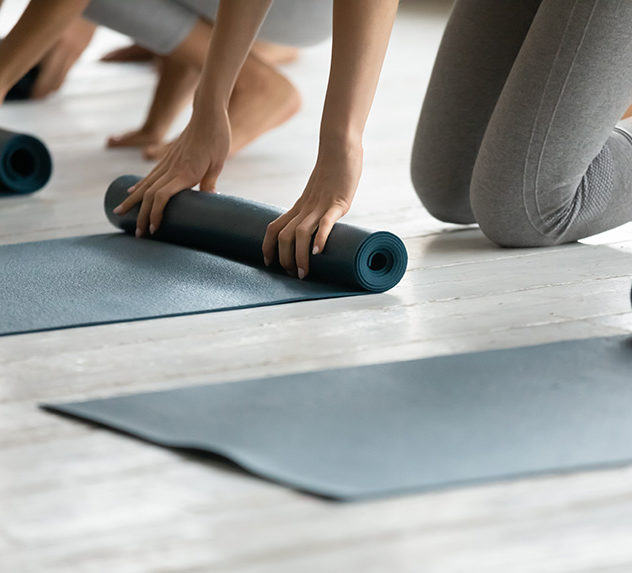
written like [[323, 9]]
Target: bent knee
[[443, 196], [504, 220]]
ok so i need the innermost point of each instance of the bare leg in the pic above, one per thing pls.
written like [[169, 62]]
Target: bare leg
[[274, 54], [131, 53], [174, 91], [262, 99]]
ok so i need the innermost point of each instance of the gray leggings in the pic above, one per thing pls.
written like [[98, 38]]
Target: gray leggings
[[517, 130], [162, 25]]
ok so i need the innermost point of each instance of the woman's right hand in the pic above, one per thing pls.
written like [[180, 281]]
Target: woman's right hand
[[197, 156]]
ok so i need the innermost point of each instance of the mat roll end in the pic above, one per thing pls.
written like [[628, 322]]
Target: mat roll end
[[114, 196], [25, 163], [381, 262]]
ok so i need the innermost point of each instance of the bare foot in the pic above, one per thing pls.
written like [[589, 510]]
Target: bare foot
[[131, 53], [262, 100], [174, 90], [136, 138]]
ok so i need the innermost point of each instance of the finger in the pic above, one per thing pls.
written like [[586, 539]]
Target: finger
[[325, 225], [137, 191], [269, 247], [132, 199], [286, 245], [209, 180], [161, 198], [304, 232], [142, 221], [156, 173]]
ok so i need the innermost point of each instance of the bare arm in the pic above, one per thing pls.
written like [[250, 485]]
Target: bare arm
[[199, 154], [41, 25], [361, 30]]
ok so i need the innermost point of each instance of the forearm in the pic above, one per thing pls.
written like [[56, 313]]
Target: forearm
[[236, 27], [361, 30], [41, 25]]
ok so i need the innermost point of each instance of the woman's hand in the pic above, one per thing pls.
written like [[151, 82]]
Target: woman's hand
[[327, 197], [197, 156]]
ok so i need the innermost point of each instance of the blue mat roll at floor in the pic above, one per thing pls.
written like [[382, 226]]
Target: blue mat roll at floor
[[25, 163], [389, 429], [206, 257], [233, 227]]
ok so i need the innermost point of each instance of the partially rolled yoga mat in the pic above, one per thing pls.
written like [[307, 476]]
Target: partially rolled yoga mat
[[388, 429], [216, 265], [25, 163]]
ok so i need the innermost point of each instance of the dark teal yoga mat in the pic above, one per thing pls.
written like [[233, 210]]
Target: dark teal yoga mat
[[101, 279], [25, 163], [403, 427], [233, 227]]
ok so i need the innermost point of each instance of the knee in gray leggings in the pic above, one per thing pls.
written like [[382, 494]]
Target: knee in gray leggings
[[443, 190], [503, 220], [516, 206]]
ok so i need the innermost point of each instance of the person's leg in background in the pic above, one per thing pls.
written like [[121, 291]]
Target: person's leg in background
[[478, 49], [262, 99], [552, 167]]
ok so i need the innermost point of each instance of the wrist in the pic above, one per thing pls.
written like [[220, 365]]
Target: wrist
[[207, 105], [340, 145]]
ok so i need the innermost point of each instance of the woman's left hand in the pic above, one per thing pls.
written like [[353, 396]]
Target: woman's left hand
[[326, 198]]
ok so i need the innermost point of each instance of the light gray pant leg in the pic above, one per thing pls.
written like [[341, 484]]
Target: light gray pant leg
[[478, 49], [158, 25], [550, 168], [162, 25], [290, 22]]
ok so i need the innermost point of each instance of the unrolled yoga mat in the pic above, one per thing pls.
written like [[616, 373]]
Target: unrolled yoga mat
[[403, 427], [25, 163], [101, 279]]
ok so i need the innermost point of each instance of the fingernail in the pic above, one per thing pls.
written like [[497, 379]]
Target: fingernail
[[152, 229], [131, 189], [315, 250], [266, 261], [301, 274], [138, 232], [117, 210]]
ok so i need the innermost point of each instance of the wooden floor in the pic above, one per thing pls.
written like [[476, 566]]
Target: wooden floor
[[78, 499]]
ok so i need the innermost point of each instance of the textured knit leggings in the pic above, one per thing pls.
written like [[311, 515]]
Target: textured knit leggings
[[518, 131]]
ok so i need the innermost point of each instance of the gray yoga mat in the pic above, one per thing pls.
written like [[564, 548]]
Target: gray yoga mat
[[403, 427], [100, 279]]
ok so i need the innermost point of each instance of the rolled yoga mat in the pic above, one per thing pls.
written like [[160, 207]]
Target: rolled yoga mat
[[388, 429], [25, 163], [101, 279]]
